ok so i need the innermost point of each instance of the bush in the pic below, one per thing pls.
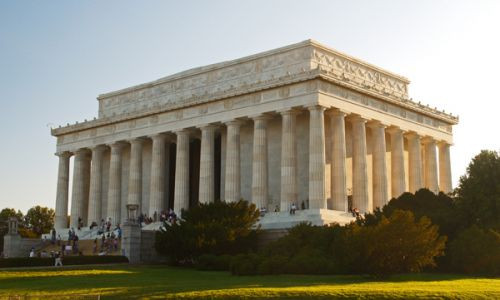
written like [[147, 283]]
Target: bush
[[397, 244], [215, 228], [209, 262], [476, 251], [67, 260], [245, 264]]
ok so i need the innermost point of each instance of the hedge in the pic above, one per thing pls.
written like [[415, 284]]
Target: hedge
[[67, 260]]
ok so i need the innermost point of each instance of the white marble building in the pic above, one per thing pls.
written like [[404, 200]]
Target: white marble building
[[299, 124]]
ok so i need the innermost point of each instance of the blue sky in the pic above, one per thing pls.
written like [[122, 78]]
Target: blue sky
[[57, 56]]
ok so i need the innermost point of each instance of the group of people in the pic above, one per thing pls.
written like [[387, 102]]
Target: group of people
[[109, 243], [169, 216]]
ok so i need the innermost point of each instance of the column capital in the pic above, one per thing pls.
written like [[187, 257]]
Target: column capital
[[357, 119], [337, 112], [208, 126], [394, 130], [428, 139], [117, 147], [288, 111], [312, 107], [412, 135], [137, 140], [234, 122], [260, 117], [442, 143], [160, 136], [98, 148], [376, 124], [81, 152], [63, 154], [183, 131]]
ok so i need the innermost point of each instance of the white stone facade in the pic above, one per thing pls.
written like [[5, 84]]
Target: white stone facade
[[298, 124]]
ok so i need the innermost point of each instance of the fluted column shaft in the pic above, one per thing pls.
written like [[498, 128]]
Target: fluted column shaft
[[232, 185], [62, 190], [181, 190], [288, 160], [94, 214], [444, 168], [317, 195], [379, 166], [80, 192], [431, 171], [360, 198], [207, 165], [398, 180], [115, 183], [338, 165], [157, 185], [415, 162], [259, 163], [135, 175]]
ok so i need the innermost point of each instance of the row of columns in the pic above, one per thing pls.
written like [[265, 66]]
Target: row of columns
[[86, 191]]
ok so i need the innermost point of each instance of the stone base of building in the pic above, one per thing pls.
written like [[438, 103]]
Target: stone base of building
[[317, 217]]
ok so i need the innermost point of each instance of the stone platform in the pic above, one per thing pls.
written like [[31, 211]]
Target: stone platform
[[318, 217]]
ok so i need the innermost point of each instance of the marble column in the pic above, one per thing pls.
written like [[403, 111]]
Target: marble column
[[398, 179], [207, 164], [289, 193], [115, 183], [80, 191], [61, 213], [181, 189], [444, 168], [360, 198], [259, 162], [415, 162], [157, 184], [317, 193], [135, 172], [232, 184], [379, 165], [338, 157], [431, 170], [95, 192]]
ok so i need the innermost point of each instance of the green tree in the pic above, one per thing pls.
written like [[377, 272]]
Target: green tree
[[215, 228], [478, 192], [396, 244], [476, 251], [39, 219], [440, 208], [5, 214]]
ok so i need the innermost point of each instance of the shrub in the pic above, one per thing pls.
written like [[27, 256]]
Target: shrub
[[209, 262], [476, 251], [397, 244], [245, 264], [67, 260], [215, 228]]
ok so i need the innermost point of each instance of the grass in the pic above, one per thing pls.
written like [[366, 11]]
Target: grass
[[155, 282]]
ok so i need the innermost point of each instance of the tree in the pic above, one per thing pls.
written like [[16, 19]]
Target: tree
[[5, 214], [215, 228], [39, 219], [478, 192], [441, 209], [396, 244], [476, 251]]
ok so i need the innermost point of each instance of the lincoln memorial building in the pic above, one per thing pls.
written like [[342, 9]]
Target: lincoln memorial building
[[302, 124]]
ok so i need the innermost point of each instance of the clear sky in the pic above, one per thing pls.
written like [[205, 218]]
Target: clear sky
[[57, 56]]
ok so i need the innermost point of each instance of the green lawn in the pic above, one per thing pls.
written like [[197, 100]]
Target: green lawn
[[154, 282]]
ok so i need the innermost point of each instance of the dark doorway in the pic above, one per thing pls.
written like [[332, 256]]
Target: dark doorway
[[171, 175], [194, 171]]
